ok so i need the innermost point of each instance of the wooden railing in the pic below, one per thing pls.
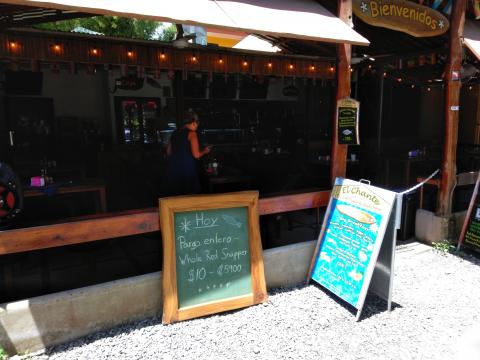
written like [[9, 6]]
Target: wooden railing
[[113, 225]]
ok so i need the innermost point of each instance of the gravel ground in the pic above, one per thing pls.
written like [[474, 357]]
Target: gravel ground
[[436, 316]]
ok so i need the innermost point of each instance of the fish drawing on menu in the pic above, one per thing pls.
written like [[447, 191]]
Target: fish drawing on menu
[[357, 276], [357, 214], [231, 221]]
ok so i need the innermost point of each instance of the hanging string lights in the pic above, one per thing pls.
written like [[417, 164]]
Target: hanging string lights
[[63, 51]]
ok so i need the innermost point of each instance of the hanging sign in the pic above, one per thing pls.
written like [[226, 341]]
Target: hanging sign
[[470, 235], [347, 120], [212, 254], [402, 15], [129, 83], [475, 6], [356, 246]]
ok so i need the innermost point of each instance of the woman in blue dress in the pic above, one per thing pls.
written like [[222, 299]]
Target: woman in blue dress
[[183, 151]]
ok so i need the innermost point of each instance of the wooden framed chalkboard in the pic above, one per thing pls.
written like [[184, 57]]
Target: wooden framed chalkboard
[[212, 254]]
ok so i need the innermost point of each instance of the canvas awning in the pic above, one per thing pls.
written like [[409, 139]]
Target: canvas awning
[[471, 37], [251, 42], [299, 19]]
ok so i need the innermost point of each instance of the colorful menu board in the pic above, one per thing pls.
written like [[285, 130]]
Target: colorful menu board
[[351, 238], [212, 254]]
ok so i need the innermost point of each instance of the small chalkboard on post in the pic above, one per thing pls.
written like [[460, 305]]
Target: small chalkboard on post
[[356, 246], [212, 254], [347, 119]]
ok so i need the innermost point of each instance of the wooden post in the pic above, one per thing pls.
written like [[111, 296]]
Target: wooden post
[[338, 165], [452, 100]]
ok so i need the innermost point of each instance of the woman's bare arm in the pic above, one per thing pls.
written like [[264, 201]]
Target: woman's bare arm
[[195, 146]]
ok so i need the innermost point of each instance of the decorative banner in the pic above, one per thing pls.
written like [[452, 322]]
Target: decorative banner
[[402, 15], [347, 119]]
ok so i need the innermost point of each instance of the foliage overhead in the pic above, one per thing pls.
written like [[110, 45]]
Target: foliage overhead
[[115, 26]]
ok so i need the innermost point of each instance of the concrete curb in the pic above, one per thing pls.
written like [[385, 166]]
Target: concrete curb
[[33, 324], [431, 228]]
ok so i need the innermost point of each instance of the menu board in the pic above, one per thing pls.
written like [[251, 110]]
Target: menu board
[[470, 234], [350, 240], [212, 254], [347, 117]]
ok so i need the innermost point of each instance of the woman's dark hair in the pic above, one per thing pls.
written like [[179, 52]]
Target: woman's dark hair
[[189, 116]]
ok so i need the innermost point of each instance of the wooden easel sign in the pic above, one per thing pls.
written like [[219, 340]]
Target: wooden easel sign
[[212, 254], [352, 255]]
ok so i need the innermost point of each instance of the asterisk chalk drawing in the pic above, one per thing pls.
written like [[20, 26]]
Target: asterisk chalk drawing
[[441, 25], [185, 225], [364, 7]]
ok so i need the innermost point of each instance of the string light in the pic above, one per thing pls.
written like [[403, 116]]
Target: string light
[[245, 63], [130, 53], [163, 56], [470, 87], [332, 68], [429, 89], [269, 65], [57, 47], [312, 67], [412, 86], [399, 79], [220, 60], [94, 51], [290, 67], [13, 45]]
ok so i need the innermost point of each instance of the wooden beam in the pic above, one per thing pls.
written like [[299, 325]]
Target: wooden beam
[[338, 165], [127, 223], [281, 204], [452, 102], [77, 232]]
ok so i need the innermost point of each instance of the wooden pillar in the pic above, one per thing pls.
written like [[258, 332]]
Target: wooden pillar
[[338, 165], [452, 102]]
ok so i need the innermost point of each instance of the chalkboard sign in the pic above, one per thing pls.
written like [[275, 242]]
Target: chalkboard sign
[[212, 254], [350, 241], [470, 234], [347, 115]]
